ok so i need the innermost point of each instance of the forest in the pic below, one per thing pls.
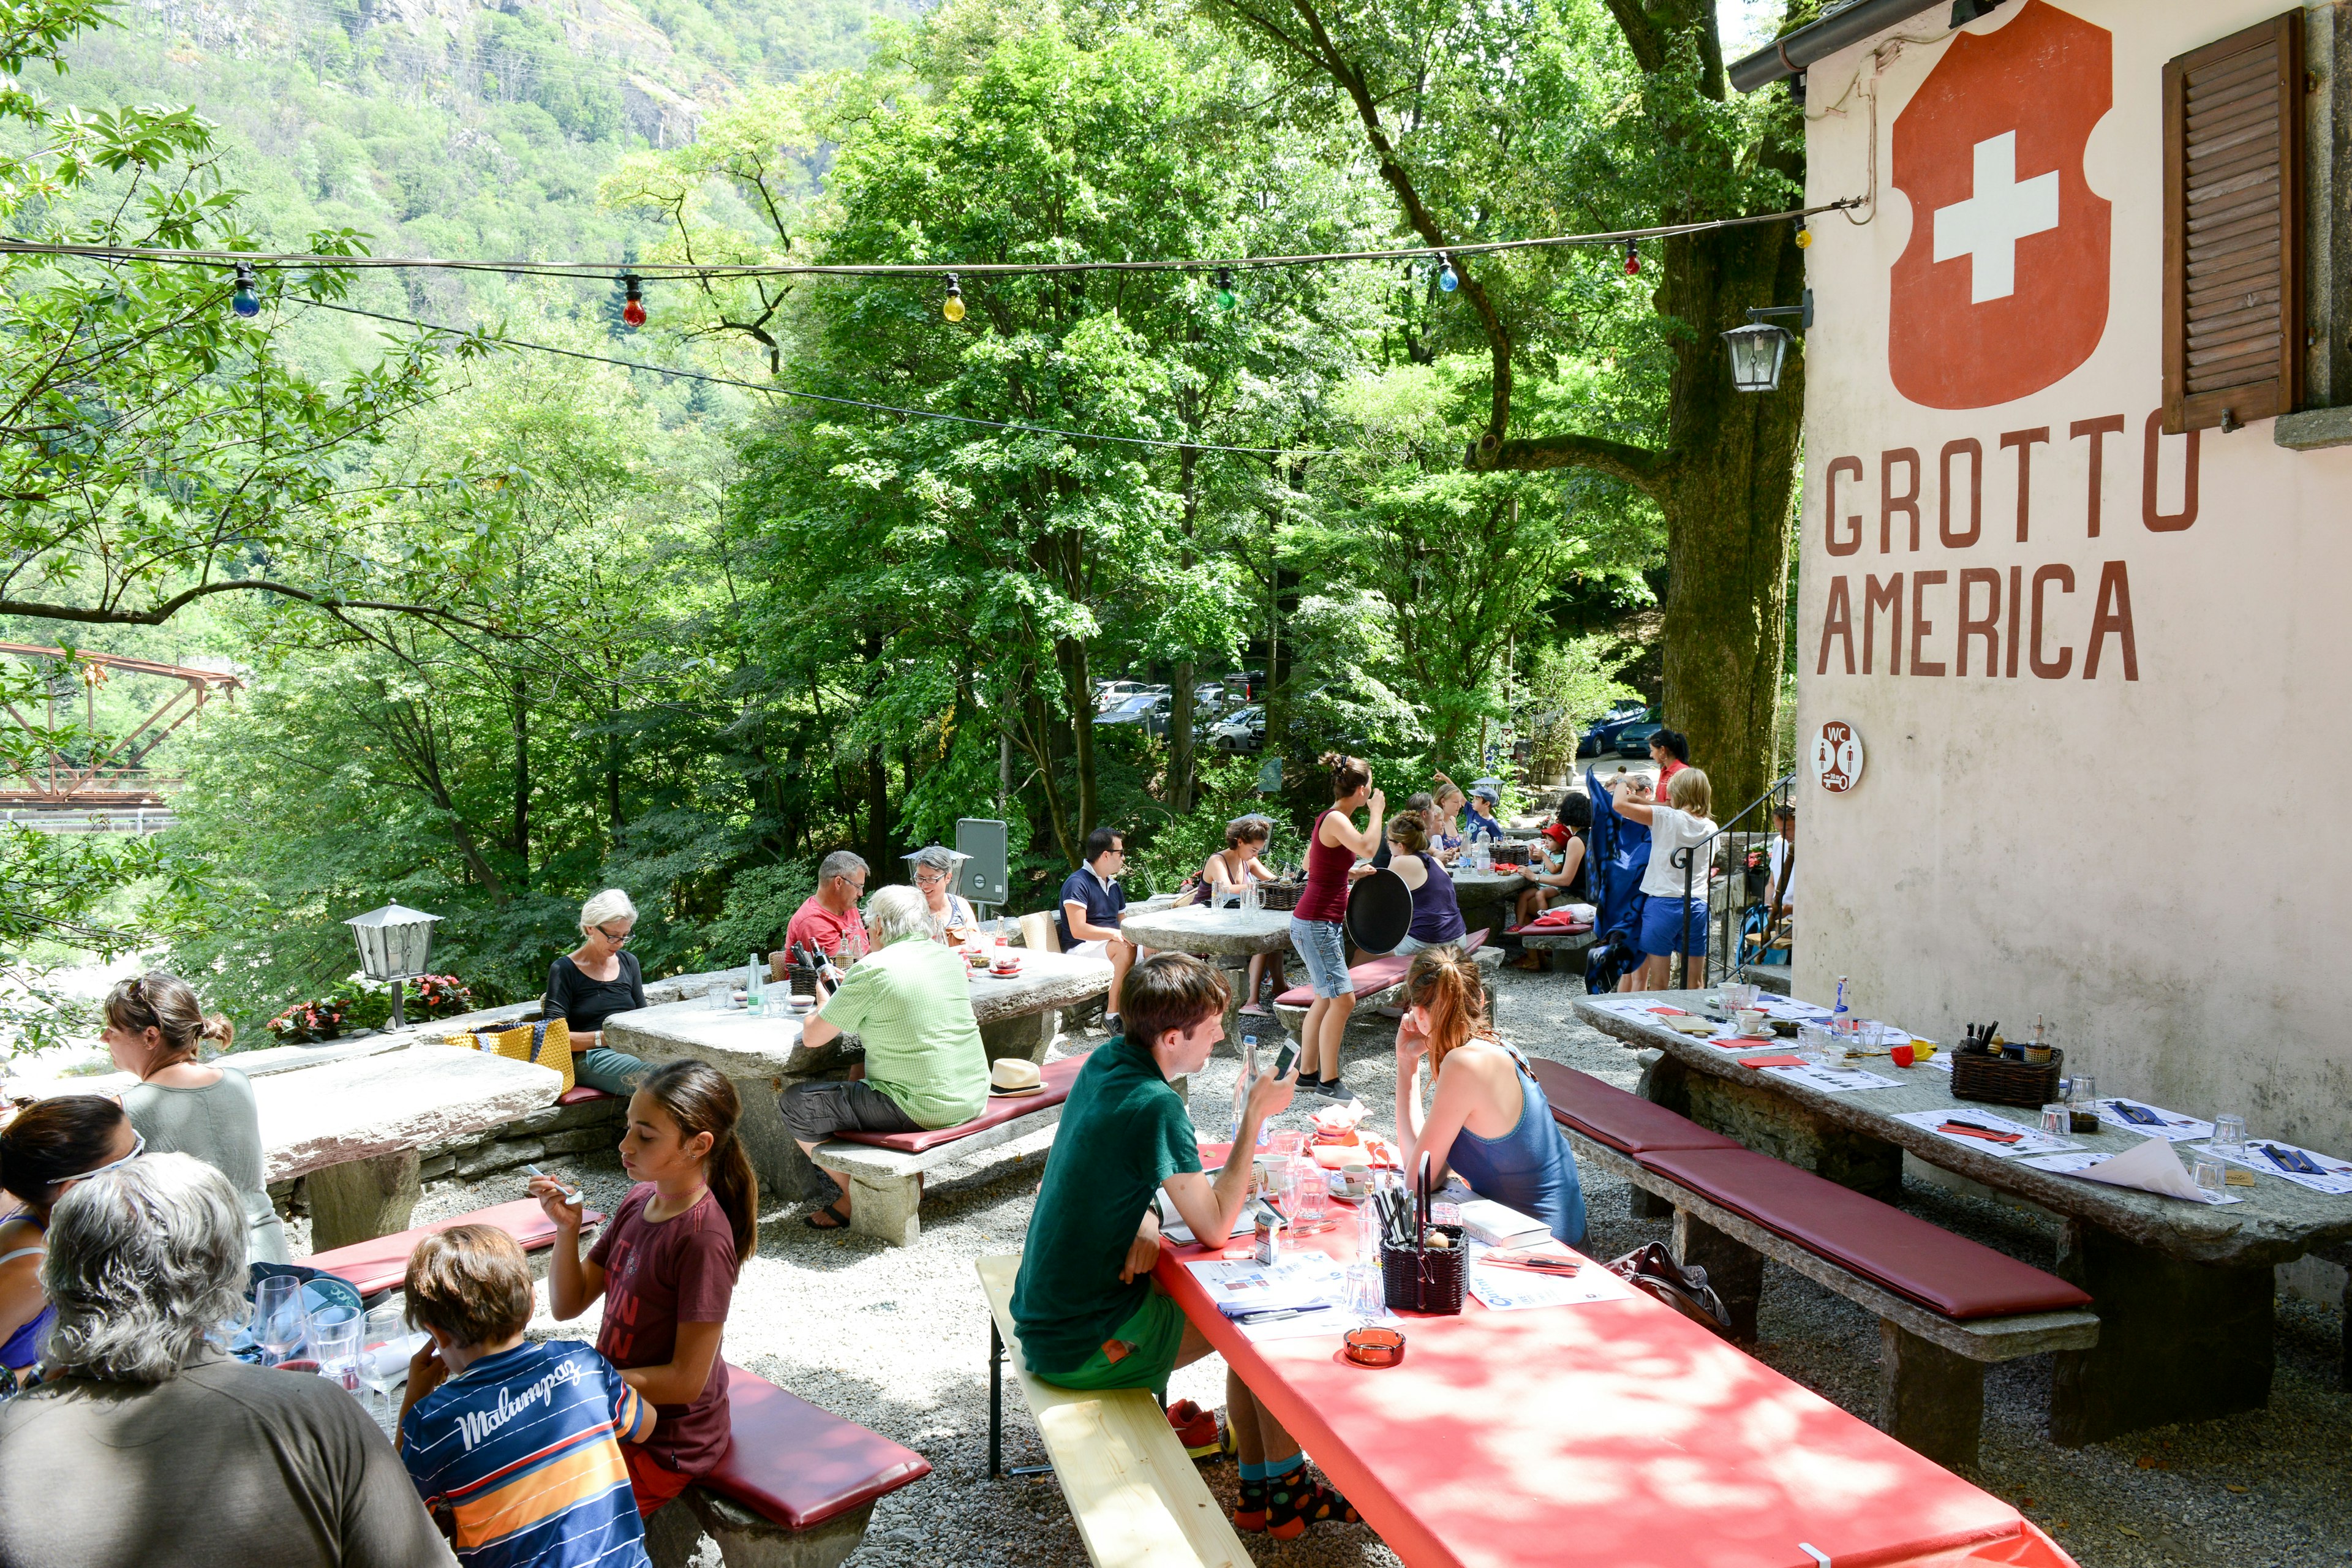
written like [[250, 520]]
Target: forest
[[532, 599]]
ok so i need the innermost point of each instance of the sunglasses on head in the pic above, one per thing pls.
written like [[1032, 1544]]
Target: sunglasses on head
[[137, 1147]]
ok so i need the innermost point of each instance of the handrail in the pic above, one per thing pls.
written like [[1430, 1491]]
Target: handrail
[[1686, 860]]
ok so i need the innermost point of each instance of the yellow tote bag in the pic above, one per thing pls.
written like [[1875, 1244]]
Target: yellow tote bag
[[548, 1044]]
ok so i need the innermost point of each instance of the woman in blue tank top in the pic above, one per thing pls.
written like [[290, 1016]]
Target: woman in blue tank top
[[1489, 1120]]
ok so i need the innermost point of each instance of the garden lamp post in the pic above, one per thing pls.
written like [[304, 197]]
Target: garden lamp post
[[1759, 348], [394, 942]]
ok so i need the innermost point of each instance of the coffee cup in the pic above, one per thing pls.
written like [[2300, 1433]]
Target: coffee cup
[[1751, 1021]]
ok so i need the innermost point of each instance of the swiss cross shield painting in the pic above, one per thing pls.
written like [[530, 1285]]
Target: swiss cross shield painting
[[2003, 287]]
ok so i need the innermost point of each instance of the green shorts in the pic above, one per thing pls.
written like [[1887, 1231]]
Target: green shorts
[[1157, 1333]]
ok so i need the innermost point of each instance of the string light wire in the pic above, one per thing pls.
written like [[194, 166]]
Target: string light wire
[[685, 270], [823, 397]]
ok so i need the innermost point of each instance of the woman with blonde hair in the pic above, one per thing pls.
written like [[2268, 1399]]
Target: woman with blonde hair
[[593, 981], [180, 1105], [1487, 1118], [1684, 826]]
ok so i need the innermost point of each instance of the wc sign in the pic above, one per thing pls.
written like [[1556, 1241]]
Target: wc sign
[[2003, 290], [1837, 757]]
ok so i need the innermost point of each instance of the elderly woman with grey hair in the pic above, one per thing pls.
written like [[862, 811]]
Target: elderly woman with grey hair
[[935, 870], [593, 981], [909, 1005], [146, 1262]]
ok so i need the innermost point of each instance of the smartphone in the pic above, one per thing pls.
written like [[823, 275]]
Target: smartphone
[[1284, 1058]]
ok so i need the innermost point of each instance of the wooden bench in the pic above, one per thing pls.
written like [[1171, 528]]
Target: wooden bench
[[378, 1266], [1947, 1306], [1137, 1499], [886, 1169], [796, 1489], [1550, 940]]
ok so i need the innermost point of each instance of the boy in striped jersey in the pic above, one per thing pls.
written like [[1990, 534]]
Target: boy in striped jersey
[[514, 1447]]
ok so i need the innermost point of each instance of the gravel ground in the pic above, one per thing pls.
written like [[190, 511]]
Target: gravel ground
[[898, 1339]]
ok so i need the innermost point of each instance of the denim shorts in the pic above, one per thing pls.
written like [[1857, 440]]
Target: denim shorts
[[1323, 945], [1670, 924]]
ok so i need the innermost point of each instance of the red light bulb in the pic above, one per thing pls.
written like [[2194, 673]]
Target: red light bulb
[[633, 312], [1632, 260]]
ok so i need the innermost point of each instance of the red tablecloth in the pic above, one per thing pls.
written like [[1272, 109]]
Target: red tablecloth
[[1617, 1434]]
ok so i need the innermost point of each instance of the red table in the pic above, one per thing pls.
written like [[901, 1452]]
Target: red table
[[1617, 1433]]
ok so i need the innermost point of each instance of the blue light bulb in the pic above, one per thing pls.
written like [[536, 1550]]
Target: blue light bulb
[[1449, 280], [245, 302]]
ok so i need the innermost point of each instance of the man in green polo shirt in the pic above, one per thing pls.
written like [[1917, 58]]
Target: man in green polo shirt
[[1088, 1313], [909, 1005]]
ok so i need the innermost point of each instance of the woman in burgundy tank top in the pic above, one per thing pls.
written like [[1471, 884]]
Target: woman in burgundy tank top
[[1316, 928]]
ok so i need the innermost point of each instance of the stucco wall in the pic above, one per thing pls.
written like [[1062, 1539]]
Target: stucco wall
[[2159, 864]]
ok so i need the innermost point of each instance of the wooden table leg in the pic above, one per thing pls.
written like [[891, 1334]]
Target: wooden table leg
[[2178, 1341], [359, 1200]]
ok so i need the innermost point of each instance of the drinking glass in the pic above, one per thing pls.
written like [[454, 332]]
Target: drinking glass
[[1368, 1300], [2082, 1088], [1290, 1144], [2211, 1175], [2056, 1120], [277, 1317], [1738, 998], [1817, 1044], [384, 1349], [2230, 1132], [335, 1343], [1311, 1192]]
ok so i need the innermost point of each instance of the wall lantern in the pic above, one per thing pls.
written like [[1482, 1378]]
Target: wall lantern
[[1759, 348], [394, 942]]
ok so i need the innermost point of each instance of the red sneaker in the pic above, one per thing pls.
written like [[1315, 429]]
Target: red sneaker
[[1195, 1427]]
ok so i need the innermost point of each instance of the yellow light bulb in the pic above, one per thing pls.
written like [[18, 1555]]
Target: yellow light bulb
[[1804, 239], [953, 308]]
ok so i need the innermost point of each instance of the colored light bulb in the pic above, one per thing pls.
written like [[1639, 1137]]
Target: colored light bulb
[[633, 309], [1226, 297], [952, 306], [1632, 260], [1804, 239], [1447, 279], [245, 300]]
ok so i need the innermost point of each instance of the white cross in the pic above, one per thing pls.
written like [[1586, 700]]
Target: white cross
[[2003, 210]]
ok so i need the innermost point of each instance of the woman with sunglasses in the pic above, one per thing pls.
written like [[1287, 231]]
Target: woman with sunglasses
[[43, 1153], [593, 981], [181, 1106]]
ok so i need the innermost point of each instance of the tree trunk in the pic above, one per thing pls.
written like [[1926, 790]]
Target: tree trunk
[[1179, 706], [877, 815], [520, 709], [1727, 506]]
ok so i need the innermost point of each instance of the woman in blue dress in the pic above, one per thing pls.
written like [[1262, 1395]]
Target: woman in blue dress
[[1487, 1118]]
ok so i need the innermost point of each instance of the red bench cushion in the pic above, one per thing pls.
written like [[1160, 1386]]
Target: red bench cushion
[[1000, 1109], [1374, 973], [1607, 1114], [1943, 1272], [797, 1466], [582, 1094], [383, 1263]]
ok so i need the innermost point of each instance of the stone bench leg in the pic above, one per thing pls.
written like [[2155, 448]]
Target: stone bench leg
[[702, 1530], [359, 1200], [1026, 1036], [2178, 1341], [1734, 1269], [883, 1205], [1930, 1400]]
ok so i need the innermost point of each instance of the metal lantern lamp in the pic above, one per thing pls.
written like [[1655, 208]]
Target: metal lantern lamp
[[394, 942], [1759, 348]]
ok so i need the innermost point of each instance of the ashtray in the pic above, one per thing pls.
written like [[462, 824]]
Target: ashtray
[[1375, 1347]]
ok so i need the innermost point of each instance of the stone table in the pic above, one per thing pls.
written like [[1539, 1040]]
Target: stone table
[[1486, 897], [354, 1127], [2183, 1290], [1228, 938], [760, 1055], [1023, 1016]]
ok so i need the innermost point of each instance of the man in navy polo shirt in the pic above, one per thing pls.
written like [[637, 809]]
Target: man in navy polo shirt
[[1091, 901]]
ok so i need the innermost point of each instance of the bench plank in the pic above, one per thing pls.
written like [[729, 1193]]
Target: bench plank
[[1134, 1494]]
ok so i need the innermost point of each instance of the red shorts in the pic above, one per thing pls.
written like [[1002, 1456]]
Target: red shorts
[[653, 1485]]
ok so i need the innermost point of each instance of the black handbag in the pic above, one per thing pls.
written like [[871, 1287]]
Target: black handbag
[[1652, 1270]]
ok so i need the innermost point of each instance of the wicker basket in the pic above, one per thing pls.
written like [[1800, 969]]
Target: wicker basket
[[1426, 1281], [1278, 895], [1992, 1080]]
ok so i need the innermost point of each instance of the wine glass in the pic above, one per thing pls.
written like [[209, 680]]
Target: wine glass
[[277, 1317]]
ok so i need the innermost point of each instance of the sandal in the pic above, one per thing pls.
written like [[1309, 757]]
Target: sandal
[[829, 1217]]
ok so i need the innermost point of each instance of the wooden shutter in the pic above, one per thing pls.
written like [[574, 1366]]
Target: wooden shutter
[[2234, 229]]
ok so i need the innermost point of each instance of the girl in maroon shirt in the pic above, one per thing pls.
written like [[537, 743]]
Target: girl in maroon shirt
[[665, 1267], [1316, 926]]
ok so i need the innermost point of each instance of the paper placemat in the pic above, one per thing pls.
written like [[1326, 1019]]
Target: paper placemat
[[2030, 1139]]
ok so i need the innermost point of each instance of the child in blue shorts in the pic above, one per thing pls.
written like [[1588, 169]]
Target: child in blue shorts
[[1670, 924], [514, 1447]]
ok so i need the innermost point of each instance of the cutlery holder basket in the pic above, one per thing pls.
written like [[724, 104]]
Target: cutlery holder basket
[[1992, 1080], [1428, 1279]]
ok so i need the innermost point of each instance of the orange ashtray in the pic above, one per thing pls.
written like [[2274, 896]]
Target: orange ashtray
[[1375, 1347]]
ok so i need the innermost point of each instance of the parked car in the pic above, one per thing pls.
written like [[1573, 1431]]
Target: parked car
[[1209, 696], [1244, 731], [1148, 710], [1601, 739], [1248, 685], [1634, 740], [1110, 694]]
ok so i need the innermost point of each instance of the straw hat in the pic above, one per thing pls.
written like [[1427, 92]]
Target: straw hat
[[1012, 1075]]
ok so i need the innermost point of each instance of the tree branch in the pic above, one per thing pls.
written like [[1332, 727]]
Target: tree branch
[[109, 615], [1647, 471]]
